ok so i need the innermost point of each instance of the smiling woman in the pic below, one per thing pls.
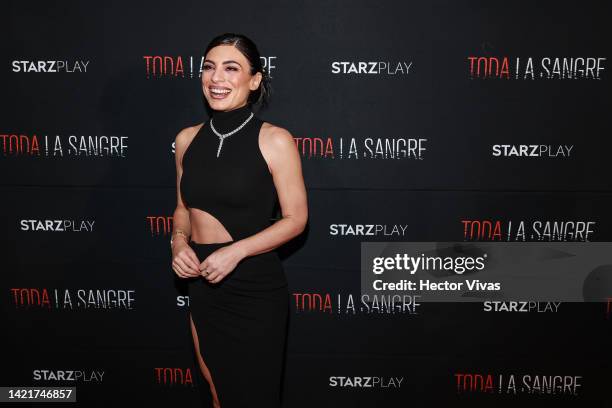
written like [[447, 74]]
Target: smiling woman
[[231, 171]]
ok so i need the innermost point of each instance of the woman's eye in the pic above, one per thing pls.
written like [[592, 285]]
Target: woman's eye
[[232, 68], [207, 66]]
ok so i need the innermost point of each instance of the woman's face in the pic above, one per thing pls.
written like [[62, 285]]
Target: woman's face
[[227, 79]]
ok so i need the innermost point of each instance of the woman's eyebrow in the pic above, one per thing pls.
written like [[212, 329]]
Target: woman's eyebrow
[[224, 62]]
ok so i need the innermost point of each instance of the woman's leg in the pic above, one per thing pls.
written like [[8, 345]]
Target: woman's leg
[[203, 367]]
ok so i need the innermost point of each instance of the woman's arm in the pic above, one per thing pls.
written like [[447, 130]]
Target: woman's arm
[[281, 153], [182, 254]]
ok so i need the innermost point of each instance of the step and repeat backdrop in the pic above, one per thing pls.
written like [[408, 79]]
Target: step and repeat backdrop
[[416, 121]]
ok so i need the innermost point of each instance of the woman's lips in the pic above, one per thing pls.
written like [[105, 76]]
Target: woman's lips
[[219, 95]]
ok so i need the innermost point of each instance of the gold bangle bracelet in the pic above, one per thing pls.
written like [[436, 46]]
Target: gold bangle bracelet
[[178, 232]]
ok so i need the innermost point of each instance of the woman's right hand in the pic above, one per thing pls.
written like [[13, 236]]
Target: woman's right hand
[[185, 262]]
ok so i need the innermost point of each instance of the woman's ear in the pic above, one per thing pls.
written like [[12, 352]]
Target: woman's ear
[[255, 81]]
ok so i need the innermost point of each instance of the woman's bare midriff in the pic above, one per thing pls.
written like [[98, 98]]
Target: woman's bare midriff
[[206, 229]]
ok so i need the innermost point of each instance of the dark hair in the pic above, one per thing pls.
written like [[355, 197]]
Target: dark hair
[[261, 95]]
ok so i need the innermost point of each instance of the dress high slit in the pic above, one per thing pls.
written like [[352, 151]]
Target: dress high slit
[[241, 321], [202, 364]]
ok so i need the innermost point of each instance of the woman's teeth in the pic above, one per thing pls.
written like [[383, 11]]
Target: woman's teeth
[[219, 93]]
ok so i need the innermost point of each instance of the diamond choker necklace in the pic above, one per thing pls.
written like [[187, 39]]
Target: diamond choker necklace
[[222, 136]]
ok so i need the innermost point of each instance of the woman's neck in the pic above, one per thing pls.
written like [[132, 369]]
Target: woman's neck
[[226, 121]]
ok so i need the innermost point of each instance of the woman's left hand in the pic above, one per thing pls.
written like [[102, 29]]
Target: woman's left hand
[[220, 263]]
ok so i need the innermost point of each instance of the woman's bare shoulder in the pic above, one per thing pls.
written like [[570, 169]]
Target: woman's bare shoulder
[[277, 145], [186, 135], [274, 134]]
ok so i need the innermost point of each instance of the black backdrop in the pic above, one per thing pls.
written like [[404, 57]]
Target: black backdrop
[[76, 223]]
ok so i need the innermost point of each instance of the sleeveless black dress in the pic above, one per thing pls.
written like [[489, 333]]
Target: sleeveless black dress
[[241, 322]]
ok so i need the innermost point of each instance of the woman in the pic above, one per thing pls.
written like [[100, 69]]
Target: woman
[[230, 172]]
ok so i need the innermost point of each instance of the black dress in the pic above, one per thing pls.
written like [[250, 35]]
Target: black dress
[[241, 322]]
